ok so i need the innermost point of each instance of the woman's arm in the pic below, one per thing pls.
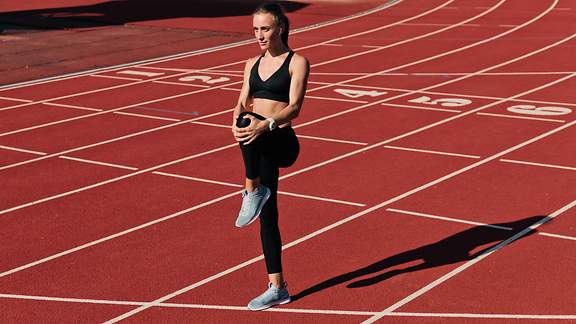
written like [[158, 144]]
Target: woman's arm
[[298, 84], [244, 98]]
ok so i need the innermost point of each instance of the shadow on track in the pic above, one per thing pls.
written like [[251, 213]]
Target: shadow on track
[[453, 249], [120, 12]]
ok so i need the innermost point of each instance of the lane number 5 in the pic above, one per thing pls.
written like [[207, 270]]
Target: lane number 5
[[446, 102]]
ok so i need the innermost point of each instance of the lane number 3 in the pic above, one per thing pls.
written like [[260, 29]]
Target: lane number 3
[[204, 78]]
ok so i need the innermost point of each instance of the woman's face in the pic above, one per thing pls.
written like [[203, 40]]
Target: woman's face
[[266, 31]]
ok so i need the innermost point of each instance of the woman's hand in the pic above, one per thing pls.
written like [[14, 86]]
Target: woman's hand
[[250, 133]]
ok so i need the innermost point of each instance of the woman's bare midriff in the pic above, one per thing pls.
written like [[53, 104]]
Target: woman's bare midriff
[[267, 108]]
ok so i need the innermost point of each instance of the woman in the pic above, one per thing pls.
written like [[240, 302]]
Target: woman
[[274, 83]]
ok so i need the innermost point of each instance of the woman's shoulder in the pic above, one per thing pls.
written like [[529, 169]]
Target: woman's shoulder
[[251, 61], [299, 62]]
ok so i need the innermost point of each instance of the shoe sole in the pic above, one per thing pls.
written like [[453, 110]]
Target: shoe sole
[[282, 302], [258, 212]]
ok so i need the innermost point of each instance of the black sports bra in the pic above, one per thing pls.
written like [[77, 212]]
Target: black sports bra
[[276, 87]]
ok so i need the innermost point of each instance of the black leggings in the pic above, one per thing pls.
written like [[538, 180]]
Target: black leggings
[[262, 158]]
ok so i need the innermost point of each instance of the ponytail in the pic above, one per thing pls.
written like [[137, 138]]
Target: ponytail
[[277, 11]]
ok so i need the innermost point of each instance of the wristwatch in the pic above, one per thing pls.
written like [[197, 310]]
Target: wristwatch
[[271, 124]]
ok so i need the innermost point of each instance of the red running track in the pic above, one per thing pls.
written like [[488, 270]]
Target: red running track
[[435, 182]]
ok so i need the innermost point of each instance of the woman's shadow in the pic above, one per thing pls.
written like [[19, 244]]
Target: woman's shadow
[[456, 248]]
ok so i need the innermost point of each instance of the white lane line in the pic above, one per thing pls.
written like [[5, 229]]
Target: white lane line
[[336, 99], [488, 74], [421, 108], [564, 237], [174, 305], [113, 77], [332, 44], [337, 201], [439, 25], [71, 300], [182, 83], [196, 52], [16, 99], [442, 73], [146, 116], [70, 106], [467, 315], [179, 176], [98, 163], [10, 148], [468, 264], [555, 166], [141, 73], [211, 124], [279, 192], [332, 140], [232, 89], [431, 152], [521, 117], [454, 220]]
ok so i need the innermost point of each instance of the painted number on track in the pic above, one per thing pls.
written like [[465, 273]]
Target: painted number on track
[[204, 78], [354, 93], [446, 102], [541, 111]]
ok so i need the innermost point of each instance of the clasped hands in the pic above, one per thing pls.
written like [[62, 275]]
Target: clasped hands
[[249, 133]]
